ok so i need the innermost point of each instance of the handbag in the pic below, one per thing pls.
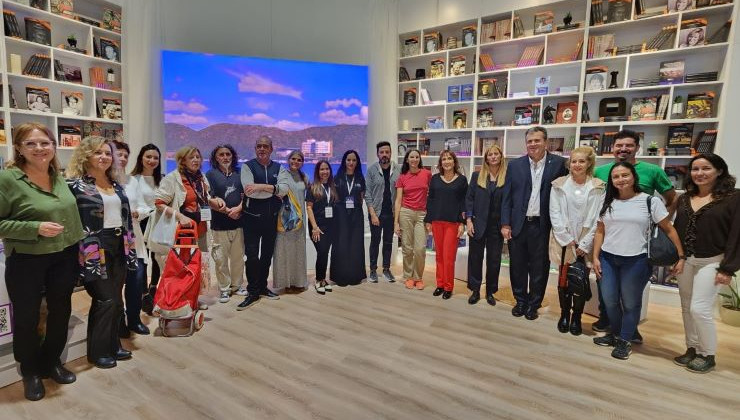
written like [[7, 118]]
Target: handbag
[[291, 214], [660, 249], [162, 237], [574, 277]]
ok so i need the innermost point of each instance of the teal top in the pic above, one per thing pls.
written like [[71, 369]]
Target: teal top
[[651, 177], [23, 206]]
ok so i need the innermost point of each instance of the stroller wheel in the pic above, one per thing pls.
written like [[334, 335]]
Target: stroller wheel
[[199, 320]]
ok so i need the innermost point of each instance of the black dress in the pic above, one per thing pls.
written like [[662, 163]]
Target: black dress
[[348, 250]]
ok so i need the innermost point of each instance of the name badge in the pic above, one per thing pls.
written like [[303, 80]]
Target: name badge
[[350, 203], [205, 214], [328, 212]]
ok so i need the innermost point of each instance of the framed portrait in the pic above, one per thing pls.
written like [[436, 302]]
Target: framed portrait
[[596, 81], [110, 50], [681, 5]]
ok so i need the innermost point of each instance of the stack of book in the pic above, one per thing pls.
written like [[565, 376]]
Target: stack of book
[[607, 142], [597, 15], [485, 118], [629, 49], [709, 76], [499, 30], [600, 46], [484, 143], [664, 38], [662, 113], [619, 10], [575, 55], [38, 65], [97, 78], [518, 27], [705, 141], [679, 139], [460, 146], [486, 62], [410, 46], [531, 56], [650, 81], [721, 34], [11, 24], [699, 105], [642, 12]]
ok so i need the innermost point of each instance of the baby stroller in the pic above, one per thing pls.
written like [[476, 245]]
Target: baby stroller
[[176, 299]]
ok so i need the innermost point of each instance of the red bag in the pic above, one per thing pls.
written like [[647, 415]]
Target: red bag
[[179, 284]]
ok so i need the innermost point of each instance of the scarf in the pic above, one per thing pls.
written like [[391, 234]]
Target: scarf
[[196, 181]]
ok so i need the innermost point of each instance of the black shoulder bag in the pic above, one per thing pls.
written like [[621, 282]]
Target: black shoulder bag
[[661, 250]]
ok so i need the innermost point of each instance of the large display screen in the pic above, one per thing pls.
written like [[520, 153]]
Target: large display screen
[[318, 108]]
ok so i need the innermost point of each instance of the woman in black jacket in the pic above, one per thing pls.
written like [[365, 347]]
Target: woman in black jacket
[[483, 214]]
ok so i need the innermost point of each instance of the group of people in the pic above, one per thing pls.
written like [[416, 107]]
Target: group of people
[[91, 224]]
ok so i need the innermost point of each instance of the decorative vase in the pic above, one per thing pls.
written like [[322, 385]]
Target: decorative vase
[[729, 316], [613, 83]]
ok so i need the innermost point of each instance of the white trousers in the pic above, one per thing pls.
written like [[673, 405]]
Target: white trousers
[[698, 293], [228, 255]]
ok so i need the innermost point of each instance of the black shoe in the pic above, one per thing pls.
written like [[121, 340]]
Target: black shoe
[[269, 294], [438, 291], [701, 364], [575, 324], [564, 322], [60, 375], [447, 294], [105, 362], [388, 275], [491, 300], [123, 354], [139, 328], [147, 304], [33, 388], [607, 341], [373, 278], [686, 358], [622, 350], [247, 302], [531, 313], [474, 298], [602, 325], [636, 337], [518, 310]]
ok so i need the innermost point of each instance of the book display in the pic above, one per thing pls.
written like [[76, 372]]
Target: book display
[[636, 64], [63, 69]]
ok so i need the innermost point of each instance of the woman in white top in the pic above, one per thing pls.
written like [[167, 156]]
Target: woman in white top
[[620, 253], [145, 177], [575, 201]]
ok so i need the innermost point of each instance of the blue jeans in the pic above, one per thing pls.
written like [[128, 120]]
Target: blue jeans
[[623, 281]]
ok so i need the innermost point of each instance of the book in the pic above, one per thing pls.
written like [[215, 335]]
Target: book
[[555, 145], [459, 146], [680, 5], [518, 27], [37, 99], [3, 139], [457, 65], [676, 174], [523, 115], [597, 14], [663, 101], [453, 93], [721, 34], [426, 99], [485, 89], [485, 143], [112, 20], [679, 136], [543, 22], [486, 63], [699, 105], [600, 46], [644, 109], [69, 135], [437, 68], [619, 10], [542, 85], [590, 140], [62, 7], [72, 103], [531, 56], [484, 118], [499, 30], [409, 97], [97, 78], [432, 42], [662, 39], [72, 73], [693, 32], [466, 92], [469, 33], [11, 24], [38, 31], [671, 72], [566, 112], [92, 128], [607, 143], [38, 65], [410, 46], [12, 102], [435, 123], [459, 118], [705, 141], [596, 78], [112, 109], [109, 49]]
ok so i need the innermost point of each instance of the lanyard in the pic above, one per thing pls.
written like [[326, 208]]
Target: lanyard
[[328, 193], [350, 186]]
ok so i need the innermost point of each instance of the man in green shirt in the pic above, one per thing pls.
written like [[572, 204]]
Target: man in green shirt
[[651, 178]]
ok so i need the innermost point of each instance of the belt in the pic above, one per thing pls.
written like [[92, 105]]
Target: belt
[[116, 231], [533, 218]]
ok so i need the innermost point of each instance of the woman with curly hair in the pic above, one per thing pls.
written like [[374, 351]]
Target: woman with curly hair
[[107, 248]]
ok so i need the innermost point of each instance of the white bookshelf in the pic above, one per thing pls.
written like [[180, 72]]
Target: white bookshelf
[[702, 58], [62, 26]]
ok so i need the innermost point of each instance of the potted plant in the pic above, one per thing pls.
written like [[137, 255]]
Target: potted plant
[[653, 149], [72, 41], [567, 19], [729, 311]]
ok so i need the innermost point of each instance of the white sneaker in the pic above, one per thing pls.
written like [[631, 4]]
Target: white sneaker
[[224, 297], [242, 291], [327, 287]]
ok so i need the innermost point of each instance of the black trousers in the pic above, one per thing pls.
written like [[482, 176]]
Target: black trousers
[[27, 278], [323, 246], [259, 244], [385, 229], [492, 243], [107, 304], [530, 264]]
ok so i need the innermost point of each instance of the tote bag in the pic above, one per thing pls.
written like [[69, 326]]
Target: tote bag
[[661, 250], [291, 214], [162, 237]]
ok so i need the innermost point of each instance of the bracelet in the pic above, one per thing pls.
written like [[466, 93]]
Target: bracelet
[[681, 257]]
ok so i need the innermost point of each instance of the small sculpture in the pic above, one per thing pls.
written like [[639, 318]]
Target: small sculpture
[[613, 83], [547, 115]]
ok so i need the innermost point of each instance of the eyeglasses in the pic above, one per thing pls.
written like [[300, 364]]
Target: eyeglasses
[[34, 144]]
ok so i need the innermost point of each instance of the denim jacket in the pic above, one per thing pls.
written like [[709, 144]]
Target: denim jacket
[[90, 206]]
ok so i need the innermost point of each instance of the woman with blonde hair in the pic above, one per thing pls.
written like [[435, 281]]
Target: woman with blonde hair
[[483, 220], [41, 229], [107, 249], [575, 201]]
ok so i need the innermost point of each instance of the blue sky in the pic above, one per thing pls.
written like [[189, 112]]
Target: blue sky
[[204, 89]]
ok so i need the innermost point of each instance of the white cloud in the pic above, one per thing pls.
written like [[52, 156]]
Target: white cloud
[[256, 103], [290, 125], [258, 118], [343, 103], [252, 82], [185, 119], [337, 116], [191, 107], [295, 114]]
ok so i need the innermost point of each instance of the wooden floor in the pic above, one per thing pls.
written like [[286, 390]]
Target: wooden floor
[[379, 351]]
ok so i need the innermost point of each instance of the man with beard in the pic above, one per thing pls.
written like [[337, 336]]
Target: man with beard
[[651, 178], [381, 177], [265, 183]]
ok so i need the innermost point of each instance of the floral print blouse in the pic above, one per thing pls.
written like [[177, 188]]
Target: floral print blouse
[[90, 206]]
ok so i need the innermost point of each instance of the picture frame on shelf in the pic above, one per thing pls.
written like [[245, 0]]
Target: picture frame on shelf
[[681, 5], [38, 30], [110, 49], [595, 79], [567, 112], [457, 65], [112, 109], [72, 103], [459, 119], [37, 99], [432, 42], [485, 89], [693, 33], [542, 85], [469, 35]]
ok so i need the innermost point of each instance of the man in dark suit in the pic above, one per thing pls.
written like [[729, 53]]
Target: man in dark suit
[[525, 220]]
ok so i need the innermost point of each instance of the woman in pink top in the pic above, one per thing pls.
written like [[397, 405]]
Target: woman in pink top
[[410, 209]]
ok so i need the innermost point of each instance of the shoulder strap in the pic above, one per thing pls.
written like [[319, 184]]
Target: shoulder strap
[[650, 209]]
